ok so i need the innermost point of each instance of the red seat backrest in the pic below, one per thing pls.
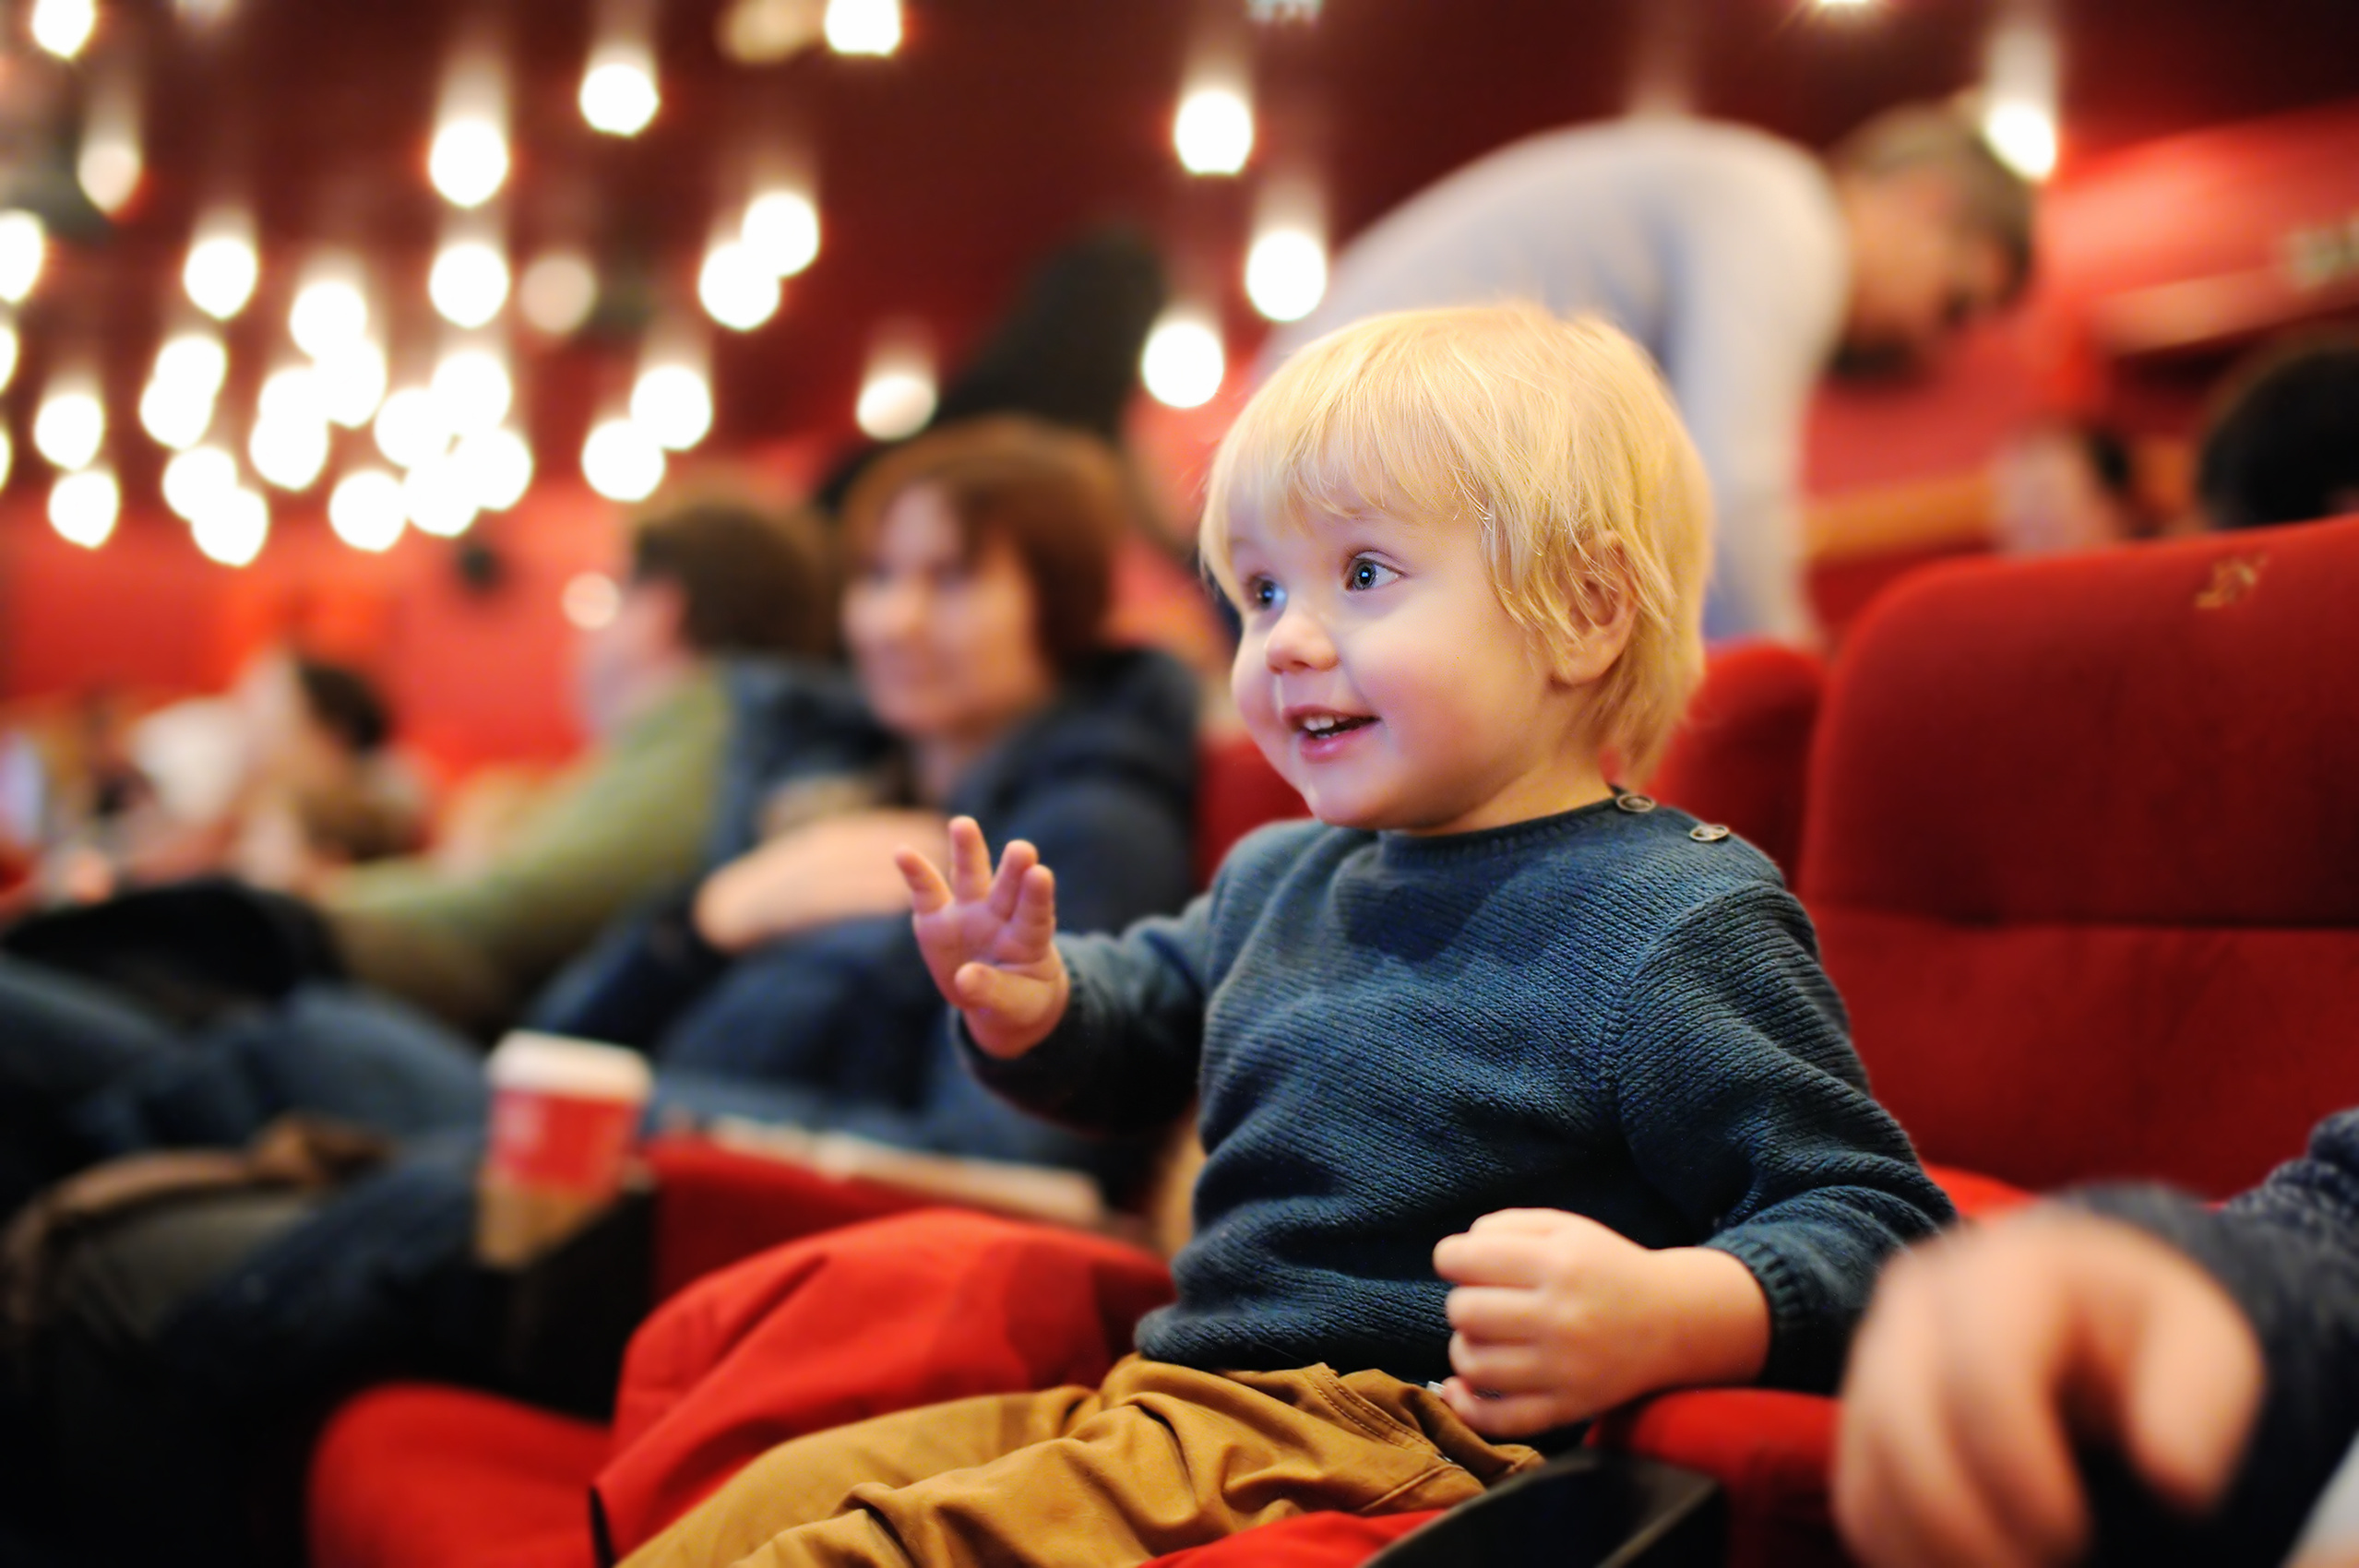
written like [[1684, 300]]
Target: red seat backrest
[[1237, 792], [1742, 754], [2084, 858]]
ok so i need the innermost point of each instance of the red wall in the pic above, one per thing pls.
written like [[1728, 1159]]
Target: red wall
[[485, 677]]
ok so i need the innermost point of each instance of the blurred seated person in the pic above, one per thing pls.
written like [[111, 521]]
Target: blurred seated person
[[2066, 485], [2282, 445], [707, 580], [784, 987], [2123, 1376], [290, 775]]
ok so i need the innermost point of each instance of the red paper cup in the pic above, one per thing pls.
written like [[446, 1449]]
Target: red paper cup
[[565, 1116]]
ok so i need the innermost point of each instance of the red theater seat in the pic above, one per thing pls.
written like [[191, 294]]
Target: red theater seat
[[1742, 754], [2083, 859]]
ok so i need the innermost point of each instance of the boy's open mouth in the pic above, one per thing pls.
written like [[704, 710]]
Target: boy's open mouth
[[1320, 726]]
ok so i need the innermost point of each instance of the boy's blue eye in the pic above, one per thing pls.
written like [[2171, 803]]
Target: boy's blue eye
[[1263, 594], [1365, 573]]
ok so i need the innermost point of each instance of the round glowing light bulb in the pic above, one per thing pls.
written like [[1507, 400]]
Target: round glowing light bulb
[[83, 507], [782, 229], [496, 468], [328, 314], [7, 353], [1184, 362], [232, 527], [195, 360], [175, 412], [738, 291], [69, 427], [108, 166], [436, 497], [62, 27], [410, 428], [558, 291], [221, 274], [618, 91], [472, 389], [195, 479], [895, 400], [1286, 274], [290, 394], [23, 244], [621, 461], [674, 404], [8, 458], [2024, 136], [469, 161], [468, 282], [591, 600], [351, 383], [863, 27], [366, 510], [289, 451], [1213, 131]]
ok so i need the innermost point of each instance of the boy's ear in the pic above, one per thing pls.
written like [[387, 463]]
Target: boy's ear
[[1604, 612]]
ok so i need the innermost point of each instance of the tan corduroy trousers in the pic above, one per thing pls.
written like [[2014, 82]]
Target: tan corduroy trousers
[[1156, 1458]]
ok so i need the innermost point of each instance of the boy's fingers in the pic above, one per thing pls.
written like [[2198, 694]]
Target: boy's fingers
[[1494, 1257], [928, 892], [1504, 1368], [1522, 1222], [969, 861], [1034, 924], [1007, 885], [1512, 1415], [1015, 999], [1492, 1312]]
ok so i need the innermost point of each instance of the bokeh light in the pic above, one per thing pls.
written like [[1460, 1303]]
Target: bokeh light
[[366, 510], [83, 507], [674, 404], [1184, 362], [1286, 273], [1213, 131], [621, 461]]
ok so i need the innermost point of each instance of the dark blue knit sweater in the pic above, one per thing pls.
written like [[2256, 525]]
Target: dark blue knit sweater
[[1393, 1035]]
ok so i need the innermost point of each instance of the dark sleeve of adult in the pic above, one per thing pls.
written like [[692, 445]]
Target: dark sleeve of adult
[[1120, 849], [637, 976], [2288, 1254], [1742, 1103]]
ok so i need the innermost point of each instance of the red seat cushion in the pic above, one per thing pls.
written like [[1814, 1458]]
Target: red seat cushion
[[412, 1476], [2082, 858]]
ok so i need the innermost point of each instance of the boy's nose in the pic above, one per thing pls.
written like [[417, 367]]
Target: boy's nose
[[1298, 641]]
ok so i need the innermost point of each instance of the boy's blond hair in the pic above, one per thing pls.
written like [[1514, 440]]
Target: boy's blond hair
[[1559, 437]]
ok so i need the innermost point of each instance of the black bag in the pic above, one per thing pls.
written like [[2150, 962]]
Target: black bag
[[191, 951], [1586, 1509]]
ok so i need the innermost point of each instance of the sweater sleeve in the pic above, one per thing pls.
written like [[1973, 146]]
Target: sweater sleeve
[[1743, 1104], [2288, 1254], [1124, 1057]]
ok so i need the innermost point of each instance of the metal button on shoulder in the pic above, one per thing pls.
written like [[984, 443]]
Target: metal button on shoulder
[[1709, 832], [1634, 804]]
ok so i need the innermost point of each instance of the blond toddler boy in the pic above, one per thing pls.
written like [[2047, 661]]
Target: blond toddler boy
[[1488, 1020]]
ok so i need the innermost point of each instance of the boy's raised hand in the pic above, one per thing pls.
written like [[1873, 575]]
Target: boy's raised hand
[[989, 939], [1558, 1318]]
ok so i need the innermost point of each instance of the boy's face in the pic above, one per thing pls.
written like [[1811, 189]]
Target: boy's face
[[1382, 676]]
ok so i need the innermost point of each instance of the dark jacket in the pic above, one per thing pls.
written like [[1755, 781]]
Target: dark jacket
[[840, 1028]]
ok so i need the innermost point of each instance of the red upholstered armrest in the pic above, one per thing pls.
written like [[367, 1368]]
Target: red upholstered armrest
[[1976, 1195], [1770, 1451], [716, 1205]]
